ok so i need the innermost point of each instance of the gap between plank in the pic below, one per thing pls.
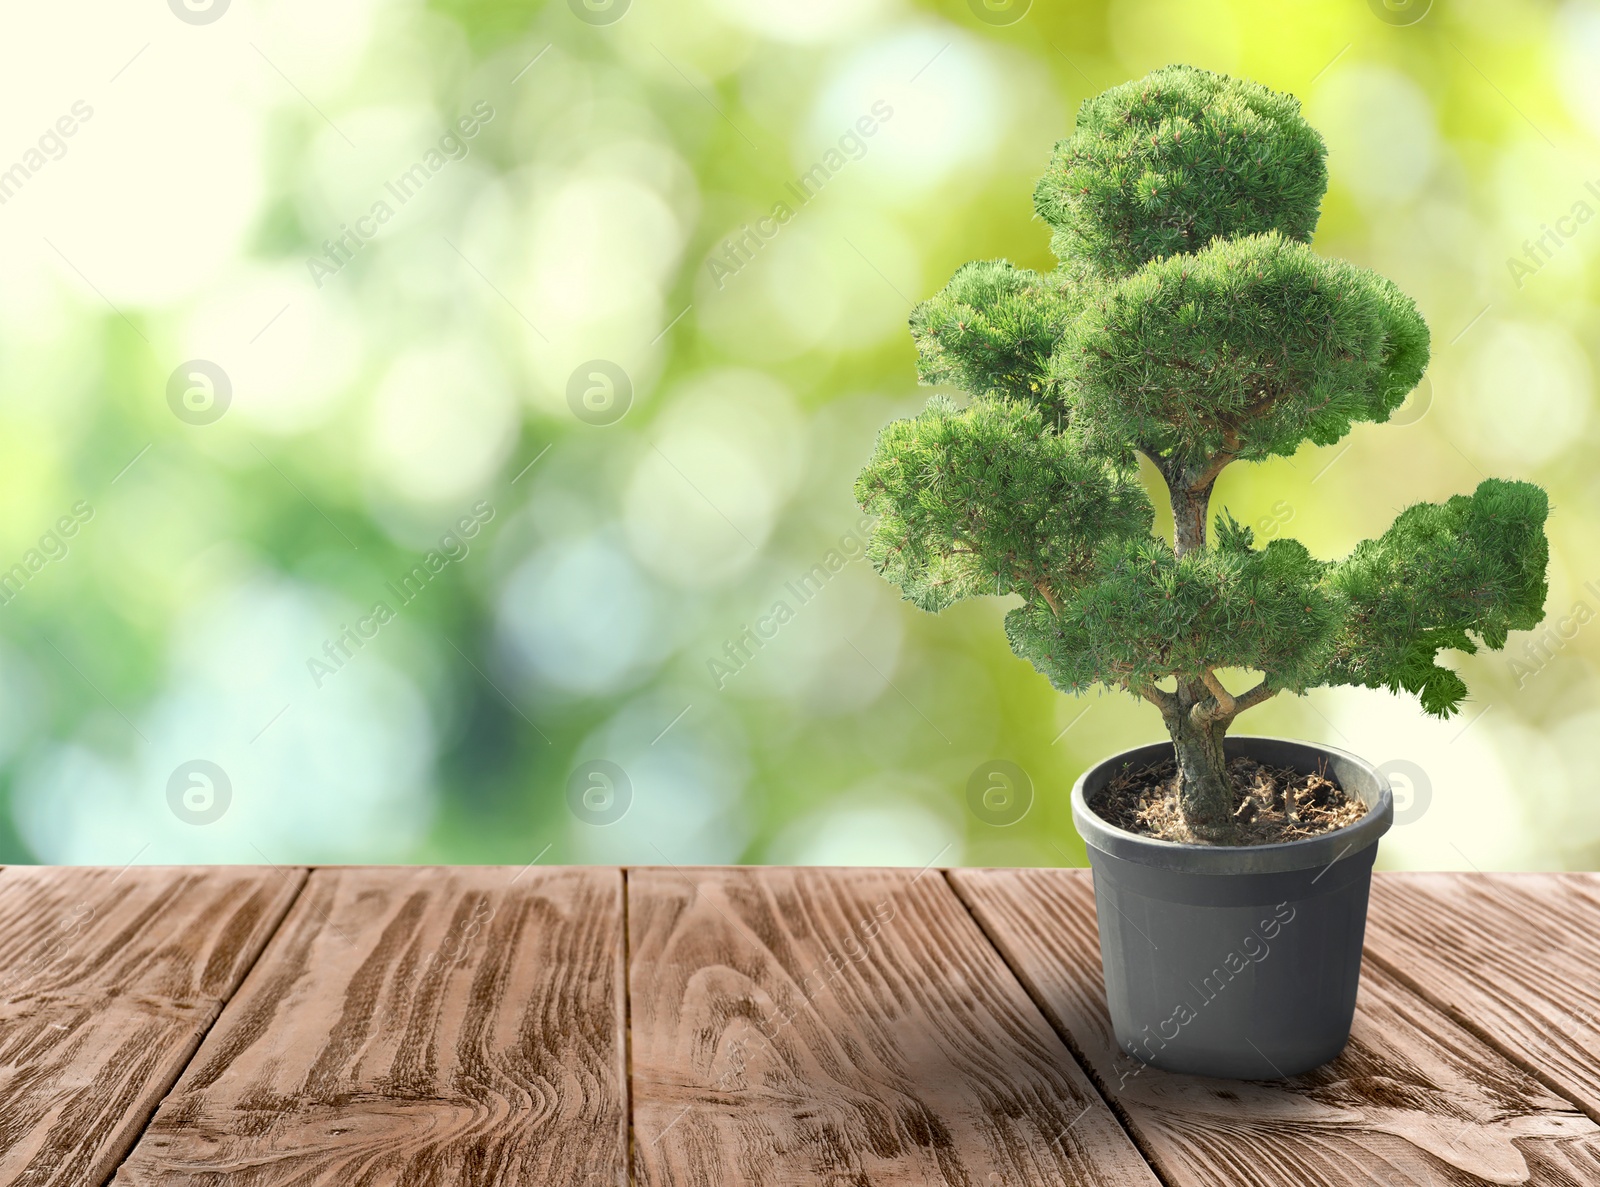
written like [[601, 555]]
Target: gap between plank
[[1066, 1038], [627, 1031], [222, 1006], [1487, 1037]]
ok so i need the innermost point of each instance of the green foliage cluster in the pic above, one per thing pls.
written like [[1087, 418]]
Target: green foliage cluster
[[985, 500], [993, 330], [1251, 345], [1150, 614], [1440, 570], [1190, 322], [1162, 165]]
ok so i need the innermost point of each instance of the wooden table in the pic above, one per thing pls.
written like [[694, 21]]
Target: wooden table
[[583, 1025]]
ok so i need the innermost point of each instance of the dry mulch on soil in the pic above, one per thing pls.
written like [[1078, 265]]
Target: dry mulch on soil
[[1145, 801]]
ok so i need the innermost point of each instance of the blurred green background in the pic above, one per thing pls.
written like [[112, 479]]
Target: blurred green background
[[551, 337]]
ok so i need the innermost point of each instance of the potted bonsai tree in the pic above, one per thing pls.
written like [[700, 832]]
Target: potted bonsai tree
[[1190, 324]]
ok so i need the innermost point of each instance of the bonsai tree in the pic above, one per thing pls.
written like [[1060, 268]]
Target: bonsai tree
[[1189, 322]]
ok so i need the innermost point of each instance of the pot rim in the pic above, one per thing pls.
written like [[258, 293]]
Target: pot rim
[[1305, 853]]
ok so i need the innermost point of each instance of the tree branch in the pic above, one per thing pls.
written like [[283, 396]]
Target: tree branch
[[1049, 598], [1214, 467], [1156, 460], [1264, 691], [1221, 698], [1160, 698], [1224, 706]]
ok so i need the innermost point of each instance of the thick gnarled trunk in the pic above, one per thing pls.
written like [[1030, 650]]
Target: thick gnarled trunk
[[1189, 508], [1204, 790], [1205, 793]]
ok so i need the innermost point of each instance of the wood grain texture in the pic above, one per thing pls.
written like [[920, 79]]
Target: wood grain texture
[[844, 1027], [1515, 957], [412, 1026], [108, 981], [1414, 1100]]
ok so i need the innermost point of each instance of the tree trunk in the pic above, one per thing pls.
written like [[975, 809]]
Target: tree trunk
[[1205, 793], [1189, 508]]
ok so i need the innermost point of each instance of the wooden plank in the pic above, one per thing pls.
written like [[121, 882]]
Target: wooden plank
[[108, 981], [1413, 1101], [413, 1026], [1513, 957], [844, 1027]]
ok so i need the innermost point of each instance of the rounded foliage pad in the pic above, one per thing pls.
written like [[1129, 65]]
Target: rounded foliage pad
[[1252, 346], [1166, 163], [984, 500], [992, 329]]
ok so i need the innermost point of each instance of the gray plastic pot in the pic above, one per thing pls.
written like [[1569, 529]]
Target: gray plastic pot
[[1234, 961]]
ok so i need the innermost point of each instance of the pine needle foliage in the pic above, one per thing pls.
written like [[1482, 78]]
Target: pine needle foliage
[[987, 500], [1469, 564], [1165, 164], [993, 330], [1251, 345], [1191, 322]]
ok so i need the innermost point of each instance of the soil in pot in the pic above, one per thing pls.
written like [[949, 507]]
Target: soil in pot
[[1272, 804]]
